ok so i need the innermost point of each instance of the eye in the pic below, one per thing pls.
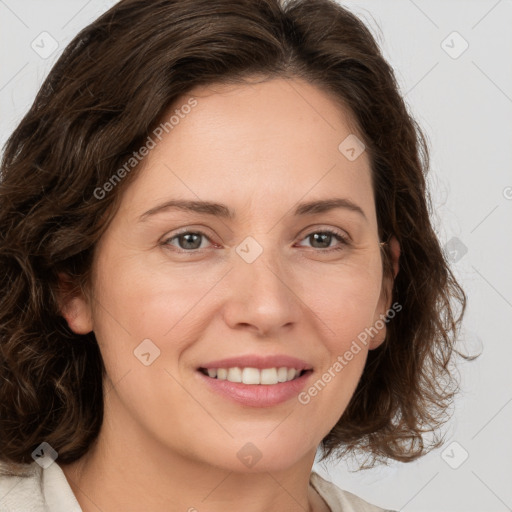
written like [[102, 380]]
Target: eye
[[191, 241], [324, 238], [187, 241]]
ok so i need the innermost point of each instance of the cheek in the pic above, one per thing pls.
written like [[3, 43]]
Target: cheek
[[139, 301], [344, 302], [140, 298], [345, 307]]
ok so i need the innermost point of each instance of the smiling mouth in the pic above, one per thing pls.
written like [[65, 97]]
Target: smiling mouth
[[254, 376]]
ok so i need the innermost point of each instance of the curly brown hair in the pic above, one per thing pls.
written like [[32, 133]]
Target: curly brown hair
[[98, 105]]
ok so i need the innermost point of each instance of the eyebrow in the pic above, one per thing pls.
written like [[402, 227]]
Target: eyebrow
[[221, 210]]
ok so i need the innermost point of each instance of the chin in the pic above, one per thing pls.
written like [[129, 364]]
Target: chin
[[246, 454]]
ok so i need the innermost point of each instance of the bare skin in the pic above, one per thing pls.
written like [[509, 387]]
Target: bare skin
[[168, 442]]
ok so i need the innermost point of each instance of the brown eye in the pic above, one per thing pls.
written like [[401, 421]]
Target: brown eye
[[324, 240]]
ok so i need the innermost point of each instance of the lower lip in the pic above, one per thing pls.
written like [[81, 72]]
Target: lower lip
[[257, 395]]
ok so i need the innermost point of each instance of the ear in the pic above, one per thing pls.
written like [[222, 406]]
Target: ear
[[74, 306], [384, 304]]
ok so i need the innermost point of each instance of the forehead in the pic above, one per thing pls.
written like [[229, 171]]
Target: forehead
[[275, 142]]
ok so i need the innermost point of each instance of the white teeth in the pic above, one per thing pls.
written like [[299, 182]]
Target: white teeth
[[291, 373], [282, 374], [266, 376], [235, 374], [251, 376], [269, 376]]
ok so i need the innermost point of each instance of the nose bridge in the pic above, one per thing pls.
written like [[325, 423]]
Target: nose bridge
[[262, 287]]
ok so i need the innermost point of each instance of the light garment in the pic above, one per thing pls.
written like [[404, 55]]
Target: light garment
[[47, 490]]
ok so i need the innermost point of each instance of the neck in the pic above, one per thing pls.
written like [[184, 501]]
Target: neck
[[127, 469]]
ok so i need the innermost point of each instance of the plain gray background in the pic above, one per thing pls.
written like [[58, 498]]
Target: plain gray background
[[453, 60]]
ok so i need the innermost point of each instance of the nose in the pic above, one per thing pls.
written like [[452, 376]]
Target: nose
[[263, 296]]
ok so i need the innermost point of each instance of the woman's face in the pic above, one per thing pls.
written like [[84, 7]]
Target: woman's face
[[256, 281]]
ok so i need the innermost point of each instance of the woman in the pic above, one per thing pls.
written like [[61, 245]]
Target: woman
[[217, 259]]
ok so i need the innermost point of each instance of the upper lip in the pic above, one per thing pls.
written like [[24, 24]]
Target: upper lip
[[260, 362]]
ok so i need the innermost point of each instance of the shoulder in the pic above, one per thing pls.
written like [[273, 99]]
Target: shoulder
[[339, 500], [21, 488], [31, 488]]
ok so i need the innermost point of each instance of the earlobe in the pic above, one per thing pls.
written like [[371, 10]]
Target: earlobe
[[378, 339], [74, 306]]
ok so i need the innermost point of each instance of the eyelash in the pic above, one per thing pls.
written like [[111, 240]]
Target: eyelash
[[342, 238]]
